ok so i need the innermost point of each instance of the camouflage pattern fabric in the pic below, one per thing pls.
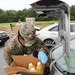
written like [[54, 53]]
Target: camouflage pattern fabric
[[27, 32], [14, 47]]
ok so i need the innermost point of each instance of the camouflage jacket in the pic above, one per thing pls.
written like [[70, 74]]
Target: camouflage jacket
[[14, 47]]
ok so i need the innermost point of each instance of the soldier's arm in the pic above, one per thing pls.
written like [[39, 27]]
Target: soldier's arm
[[7, 55], [12, 48], [42, 46], [9, 51]]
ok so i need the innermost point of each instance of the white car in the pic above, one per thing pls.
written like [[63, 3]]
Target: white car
[[37, 28], [49, 34]]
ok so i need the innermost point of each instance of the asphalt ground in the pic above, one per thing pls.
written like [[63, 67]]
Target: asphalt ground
[[2, 61]]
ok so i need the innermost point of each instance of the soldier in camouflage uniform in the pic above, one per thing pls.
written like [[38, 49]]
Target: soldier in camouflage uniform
[[25, 43]]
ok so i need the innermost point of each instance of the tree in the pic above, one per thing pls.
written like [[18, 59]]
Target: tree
[[72, 9], [3, 17], [14, 16], [1, 11]]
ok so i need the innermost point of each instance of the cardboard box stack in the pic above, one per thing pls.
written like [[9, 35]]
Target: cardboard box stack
[[30, 20]]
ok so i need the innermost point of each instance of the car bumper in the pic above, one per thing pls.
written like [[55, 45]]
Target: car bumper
[[3, 40]]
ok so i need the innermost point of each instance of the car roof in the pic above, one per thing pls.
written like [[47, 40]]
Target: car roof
[[53, 25], [2, 31], [72, 23], [49, 26], [37, 27]]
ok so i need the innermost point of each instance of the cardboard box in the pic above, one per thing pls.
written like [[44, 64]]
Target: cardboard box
[[30, 20], [20, 64]]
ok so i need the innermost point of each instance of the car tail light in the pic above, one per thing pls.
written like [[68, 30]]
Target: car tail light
[[39, 0], [37, 34]]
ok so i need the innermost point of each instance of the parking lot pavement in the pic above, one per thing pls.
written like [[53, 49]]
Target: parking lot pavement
[[2, 61]]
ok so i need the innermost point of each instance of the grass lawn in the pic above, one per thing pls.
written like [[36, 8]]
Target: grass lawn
[[37, 23], [40, 24]]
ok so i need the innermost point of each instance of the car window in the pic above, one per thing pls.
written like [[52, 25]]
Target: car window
[[62, 61], [72, 28], [54, 28]]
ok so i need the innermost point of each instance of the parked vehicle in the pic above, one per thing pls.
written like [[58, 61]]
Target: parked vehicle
[[37, 28], [49, 34], [3, 37]]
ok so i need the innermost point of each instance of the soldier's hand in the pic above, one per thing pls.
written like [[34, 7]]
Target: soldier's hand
[[43, 57]]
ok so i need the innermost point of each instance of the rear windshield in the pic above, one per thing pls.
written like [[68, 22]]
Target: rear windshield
[[65, 63]]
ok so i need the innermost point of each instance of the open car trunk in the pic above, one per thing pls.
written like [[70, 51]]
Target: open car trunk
[[61, 11]]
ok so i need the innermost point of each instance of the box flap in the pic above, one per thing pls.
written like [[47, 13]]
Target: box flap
[[20, 64], [13, 70], [23, 61]]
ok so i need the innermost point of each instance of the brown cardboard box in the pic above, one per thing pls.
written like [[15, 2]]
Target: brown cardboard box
[[20, 63]]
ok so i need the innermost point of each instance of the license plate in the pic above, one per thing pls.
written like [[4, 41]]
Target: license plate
[[0, 40]]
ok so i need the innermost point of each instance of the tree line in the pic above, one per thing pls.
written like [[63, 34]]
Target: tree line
[[14, 15]]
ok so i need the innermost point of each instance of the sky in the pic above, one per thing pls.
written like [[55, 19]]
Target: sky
[[21, 4]]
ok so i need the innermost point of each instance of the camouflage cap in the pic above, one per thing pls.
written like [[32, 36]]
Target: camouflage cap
[[27, 32]]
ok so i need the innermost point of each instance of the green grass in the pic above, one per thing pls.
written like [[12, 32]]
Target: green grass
[[40, 24], [6, 24], [37, 23]]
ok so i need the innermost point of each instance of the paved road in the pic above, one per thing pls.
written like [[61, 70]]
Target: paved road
[[2, 61]]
